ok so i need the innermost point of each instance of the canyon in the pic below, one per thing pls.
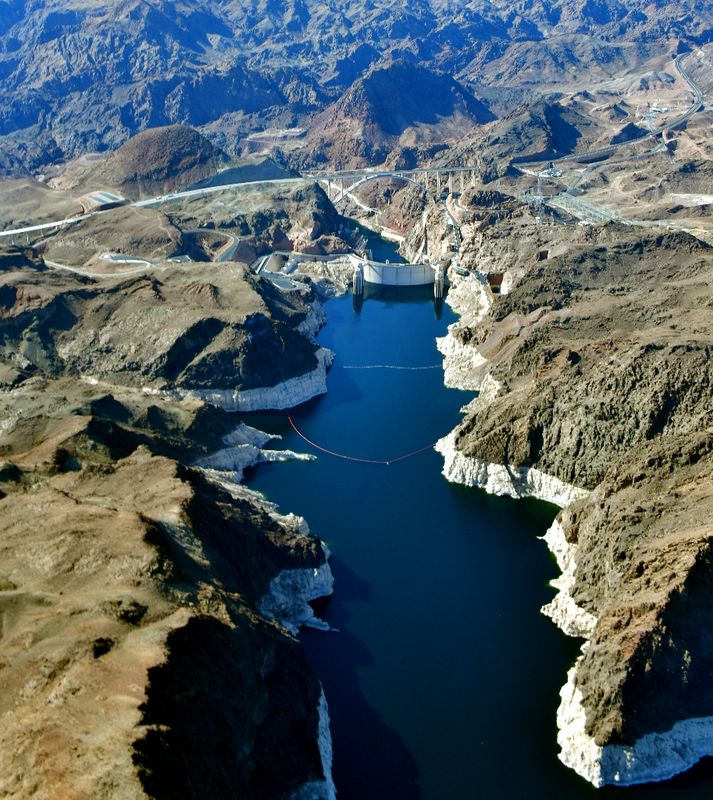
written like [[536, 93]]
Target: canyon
[[152, 603]]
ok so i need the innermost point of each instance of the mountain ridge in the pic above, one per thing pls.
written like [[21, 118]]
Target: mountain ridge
[[78, 78]]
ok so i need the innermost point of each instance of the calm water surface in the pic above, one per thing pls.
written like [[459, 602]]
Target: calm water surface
[[443, 677]]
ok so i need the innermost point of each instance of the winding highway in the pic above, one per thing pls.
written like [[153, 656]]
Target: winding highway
[[587, 211], [364, 175], [610, 149], [152, 201], [359, 175]]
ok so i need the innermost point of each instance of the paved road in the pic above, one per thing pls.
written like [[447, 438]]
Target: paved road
[[125, 273], [364, 173], [227, 252], [207, 190], [601, 152], [152, 201], [373, 172], [585, 173]]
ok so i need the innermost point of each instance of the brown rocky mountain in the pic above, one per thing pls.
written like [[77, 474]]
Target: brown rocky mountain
[[176, 329], [78, 77], [393, 106], [144, 649], [134, 660], [157, 161], [595, 377], [538, 130]]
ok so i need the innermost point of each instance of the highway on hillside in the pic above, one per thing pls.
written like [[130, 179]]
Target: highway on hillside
[[364, 173], [207, 190], [152, 201], [610, 149]]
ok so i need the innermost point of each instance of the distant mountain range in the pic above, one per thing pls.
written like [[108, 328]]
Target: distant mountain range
[[79, 76]]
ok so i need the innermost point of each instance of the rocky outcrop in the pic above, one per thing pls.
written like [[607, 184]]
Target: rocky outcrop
[[596, 377], [243, 449], [563, 609], [157, 161], [144, 579], [147, 600], [504, 479], [653, 757], [471, 299], [590, 360], [170, 332], [540, 129], [643, 573], [286, 218], [285, 394], [287, 599]]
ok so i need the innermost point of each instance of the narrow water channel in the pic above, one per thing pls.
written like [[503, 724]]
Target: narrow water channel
[[442, 677]]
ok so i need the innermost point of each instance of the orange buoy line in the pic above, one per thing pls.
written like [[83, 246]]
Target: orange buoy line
[[354, 458]]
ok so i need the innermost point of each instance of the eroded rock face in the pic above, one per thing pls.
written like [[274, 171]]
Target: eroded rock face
[[596, 376], [637, 706], [597, 351], [137, 581], [644, 570], [80, 78], [188, 328], [134, 660]]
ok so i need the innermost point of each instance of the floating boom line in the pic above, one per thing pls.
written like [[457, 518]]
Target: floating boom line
[[355, 458], [389, 366]]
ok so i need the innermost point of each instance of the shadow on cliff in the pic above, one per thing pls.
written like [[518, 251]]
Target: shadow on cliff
[[694, 782], [370, 758]]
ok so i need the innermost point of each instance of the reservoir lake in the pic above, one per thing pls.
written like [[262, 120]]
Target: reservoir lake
[[442, 676]]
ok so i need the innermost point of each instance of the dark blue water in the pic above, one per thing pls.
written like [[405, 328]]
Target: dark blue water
[[443, 677], [381, 249]]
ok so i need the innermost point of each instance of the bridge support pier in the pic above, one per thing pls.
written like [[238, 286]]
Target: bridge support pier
[[461, 183], [450, 183], [438, 183]]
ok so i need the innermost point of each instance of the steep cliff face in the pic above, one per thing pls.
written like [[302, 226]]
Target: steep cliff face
[[597, 351], [185, 328], [595, 385], [644, 571], [134, 657], [137, 580]]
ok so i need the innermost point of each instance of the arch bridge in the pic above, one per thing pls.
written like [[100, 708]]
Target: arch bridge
[[341, 185]]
